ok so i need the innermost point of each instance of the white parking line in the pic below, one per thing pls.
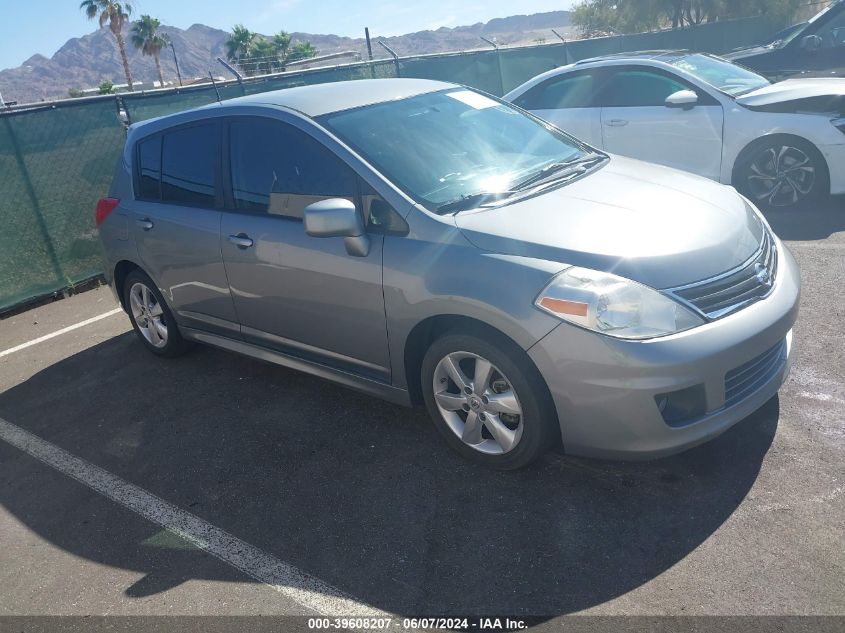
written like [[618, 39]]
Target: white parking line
[[69, 328], [254, 562]]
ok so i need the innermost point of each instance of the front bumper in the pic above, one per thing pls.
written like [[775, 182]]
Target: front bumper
[[604, 388]]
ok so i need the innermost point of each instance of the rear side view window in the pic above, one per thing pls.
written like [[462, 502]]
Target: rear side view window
[[280, 170], [149, 168], [570, 91]]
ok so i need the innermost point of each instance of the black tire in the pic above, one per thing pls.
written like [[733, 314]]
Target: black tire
[[782, 159], [540, 431], [174, 344]]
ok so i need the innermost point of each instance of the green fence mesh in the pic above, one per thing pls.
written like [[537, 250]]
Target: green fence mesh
[[54, 166], [55, 162]]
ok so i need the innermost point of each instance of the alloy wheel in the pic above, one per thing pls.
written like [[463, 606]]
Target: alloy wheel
[[781, 176], [478, 403], [148, 315]]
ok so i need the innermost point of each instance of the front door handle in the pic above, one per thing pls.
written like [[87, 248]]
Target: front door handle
[[145, 224], [617, 123], [241, 240]]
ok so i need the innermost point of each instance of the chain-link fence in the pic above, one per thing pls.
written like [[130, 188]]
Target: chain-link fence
[[56, 160]]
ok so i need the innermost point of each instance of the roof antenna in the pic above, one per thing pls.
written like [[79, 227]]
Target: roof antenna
[[210, 76]]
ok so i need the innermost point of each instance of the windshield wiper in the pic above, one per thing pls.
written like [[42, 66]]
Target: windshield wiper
[[563, 169], [472, 201]]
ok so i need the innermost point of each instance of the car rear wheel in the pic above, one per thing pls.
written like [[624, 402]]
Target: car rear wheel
[[782, 173], [151, 318], [488, 401]]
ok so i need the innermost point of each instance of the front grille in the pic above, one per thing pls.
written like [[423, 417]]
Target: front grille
[[747, 378], [732, 291]]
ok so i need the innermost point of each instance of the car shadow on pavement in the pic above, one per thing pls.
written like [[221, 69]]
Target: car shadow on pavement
[[813, 223], [357, 492]]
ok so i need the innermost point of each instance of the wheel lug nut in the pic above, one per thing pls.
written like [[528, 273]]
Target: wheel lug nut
[[485, 400], [465, 407], [482, 416]]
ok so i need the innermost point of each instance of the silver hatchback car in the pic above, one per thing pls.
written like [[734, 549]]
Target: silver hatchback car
[[425, 242]]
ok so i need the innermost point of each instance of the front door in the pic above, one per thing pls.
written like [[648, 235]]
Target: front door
[[302, 295], [636, 122]]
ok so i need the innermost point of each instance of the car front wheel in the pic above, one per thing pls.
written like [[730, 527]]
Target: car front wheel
[[782, 173], [488, 401]]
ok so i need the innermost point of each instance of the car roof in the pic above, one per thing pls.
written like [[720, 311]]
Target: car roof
[[667, 56], [319, 99]]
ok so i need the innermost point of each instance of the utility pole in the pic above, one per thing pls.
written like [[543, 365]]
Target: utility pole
[[176, 61], [369, 46], [3, 103]]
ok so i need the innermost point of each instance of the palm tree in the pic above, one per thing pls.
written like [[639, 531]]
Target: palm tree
[[302, 50], [264, 58], [240, 43], [147, 38], [281, 41], [115, 14]]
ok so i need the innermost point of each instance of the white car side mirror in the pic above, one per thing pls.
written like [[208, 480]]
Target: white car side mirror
[[685, 99]]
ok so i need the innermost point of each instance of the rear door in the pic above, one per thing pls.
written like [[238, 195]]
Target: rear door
[[301, 295], [176, 223], [636, 121], [567, 101]]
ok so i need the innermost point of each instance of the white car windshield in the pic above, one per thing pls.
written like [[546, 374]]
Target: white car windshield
[[721, 74]]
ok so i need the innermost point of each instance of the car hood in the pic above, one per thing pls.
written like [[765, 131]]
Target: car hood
[[655, 225], [744, 53], [794, 90]]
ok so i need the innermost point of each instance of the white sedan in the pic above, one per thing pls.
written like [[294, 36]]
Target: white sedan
[[780, 144]]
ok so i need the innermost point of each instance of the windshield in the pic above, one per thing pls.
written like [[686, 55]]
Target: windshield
[[452, 145], [800, 31], [729, 78]]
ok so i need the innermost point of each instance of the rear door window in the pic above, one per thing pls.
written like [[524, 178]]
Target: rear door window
[[189, 160], [574, 90], [149, 168]]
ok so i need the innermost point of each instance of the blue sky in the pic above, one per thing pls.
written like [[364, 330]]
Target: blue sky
[[27, 28]]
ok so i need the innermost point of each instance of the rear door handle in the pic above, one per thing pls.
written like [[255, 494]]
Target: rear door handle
[[241, 240], [616, 123], [145, 224]]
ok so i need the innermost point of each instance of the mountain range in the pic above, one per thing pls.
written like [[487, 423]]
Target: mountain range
[[84, 62]]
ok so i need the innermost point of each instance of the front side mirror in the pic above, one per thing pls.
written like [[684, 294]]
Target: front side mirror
[[685, 99], [337, 217], [811, 43], [838, 35]]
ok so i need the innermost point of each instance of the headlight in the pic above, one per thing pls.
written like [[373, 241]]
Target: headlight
[[839, 124], [613, 305]]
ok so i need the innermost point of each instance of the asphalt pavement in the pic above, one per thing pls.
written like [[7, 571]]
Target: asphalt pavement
[[351, 498]]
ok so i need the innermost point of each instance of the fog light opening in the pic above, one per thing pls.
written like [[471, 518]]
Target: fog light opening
[[683, 406]]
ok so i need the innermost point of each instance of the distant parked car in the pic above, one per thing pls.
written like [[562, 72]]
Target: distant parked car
[[781, 144], [424, 242], [816, 48]]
